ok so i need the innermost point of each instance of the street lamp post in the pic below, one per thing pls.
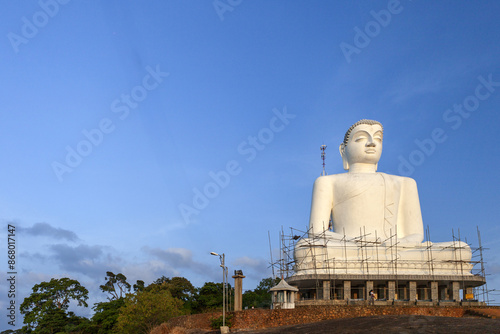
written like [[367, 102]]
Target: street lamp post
[[224, 281]]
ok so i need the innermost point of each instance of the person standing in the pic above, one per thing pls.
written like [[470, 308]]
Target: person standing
[[372, 298]]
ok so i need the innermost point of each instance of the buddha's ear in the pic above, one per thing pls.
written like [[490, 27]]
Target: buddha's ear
[[344, 158]]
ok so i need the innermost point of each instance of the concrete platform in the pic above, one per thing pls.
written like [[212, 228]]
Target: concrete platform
[[403, 290]]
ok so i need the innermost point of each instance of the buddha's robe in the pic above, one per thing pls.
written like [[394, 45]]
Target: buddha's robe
[[376, 218], [367, 204]]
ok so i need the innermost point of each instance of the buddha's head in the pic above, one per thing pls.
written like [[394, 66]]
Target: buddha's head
[[362, 143]]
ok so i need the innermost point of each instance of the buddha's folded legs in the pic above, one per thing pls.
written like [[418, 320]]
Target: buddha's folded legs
[[438, 258]]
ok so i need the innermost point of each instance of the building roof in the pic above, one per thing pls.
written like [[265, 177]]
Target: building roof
[[283, 286]]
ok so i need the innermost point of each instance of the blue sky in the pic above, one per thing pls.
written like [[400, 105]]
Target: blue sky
[[156, 98]]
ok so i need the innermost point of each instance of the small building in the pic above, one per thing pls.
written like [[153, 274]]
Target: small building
[[283, 295]]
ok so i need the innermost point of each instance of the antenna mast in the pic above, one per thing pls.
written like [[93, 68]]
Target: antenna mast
[[323, 148]]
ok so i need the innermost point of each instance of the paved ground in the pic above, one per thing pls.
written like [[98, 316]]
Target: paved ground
[[390, 324]]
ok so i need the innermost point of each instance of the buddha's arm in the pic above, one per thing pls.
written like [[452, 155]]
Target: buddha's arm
[[411, 216], [321, 206]]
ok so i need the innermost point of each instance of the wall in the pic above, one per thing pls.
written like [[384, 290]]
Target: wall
[[260, 319], [256, 319]]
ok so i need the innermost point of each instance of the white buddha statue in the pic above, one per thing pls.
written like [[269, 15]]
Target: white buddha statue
[[375, 217]]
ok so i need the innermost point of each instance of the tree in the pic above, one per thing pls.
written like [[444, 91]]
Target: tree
[[78, 325], [49, 302], [58, 321], [53, 321], [139, 286], [267, 283], [182, 288], [116, 285], [106, 315], [179, 287], [260, 297], [161, 280], [209, 297], [147, 309]]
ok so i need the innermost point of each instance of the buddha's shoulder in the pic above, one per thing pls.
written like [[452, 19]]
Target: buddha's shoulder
[[327, 181], [347, 176], [403, 180], [331, 178], [343, 177]]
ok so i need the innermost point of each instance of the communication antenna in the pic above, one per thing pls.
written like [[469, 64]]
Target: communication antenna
[[323, 148]]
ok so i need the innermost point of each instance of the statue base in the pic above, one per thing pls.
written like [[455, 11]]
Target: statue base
[[345, 271], [329, 256], [342, 289]]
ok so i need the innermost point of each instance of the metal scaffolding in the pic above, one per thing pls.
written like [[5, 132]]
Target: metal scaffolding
[[375, 256]]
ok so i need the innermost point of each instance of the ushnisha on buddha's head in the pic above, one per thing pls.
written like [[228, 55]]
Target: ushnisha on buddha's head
[[362, 146]]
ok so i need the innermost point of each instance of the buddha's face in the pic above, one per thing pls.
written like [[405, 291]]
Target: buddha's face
[[364, 145]]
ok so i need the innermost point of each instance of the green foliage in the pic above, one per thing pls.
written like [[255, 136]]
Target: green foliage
[[180, 288], [45, 310], [267, 283], [216, 323], [116, 285], [46, 306], [251, 299], [161, 280], [78, 325], [58, 321], [139, 286], [147, 309], [53, 321], [209, 297], [260, 297], [106, 315]]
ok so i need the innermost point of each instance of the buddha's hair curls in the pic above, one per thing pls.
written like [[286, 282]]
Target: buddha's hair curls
[[363, 121]]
